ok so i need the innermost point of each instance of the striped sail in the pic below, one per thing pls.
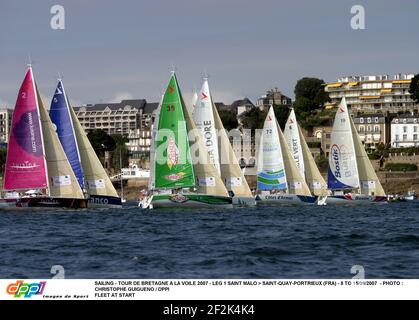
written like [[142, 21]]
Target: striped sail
[[271, 171], [343, 170]]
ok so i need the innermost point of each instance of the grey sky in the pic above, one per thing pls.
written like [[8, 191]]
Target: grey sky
[[120, 49]]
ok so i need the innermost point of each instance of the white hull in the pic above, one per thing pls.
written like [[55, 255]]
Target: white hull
[[286, 199], [244, 201], [355, 199]]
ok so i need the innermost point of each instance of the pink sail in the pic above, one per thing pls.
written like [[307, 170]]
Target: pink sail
[[25, 163]]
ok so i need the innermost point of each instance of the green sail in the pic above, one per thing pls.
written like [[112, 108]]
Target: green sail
[[173, 167]]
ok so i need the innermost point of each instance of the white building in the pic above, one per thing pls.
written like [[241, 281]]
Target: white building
[[5, 123], [405, 131], [372, 93]]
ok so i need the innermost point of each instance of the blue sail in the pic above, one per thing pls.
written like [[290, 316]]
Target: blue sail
[[333, 183], [60, 116]]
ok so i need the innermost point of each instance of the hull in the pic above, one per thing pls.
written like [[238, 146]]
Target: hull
[[104, 202], [49, 202], [190, 201], [285, 198], [7, 203], [244, 201], [355, 199]]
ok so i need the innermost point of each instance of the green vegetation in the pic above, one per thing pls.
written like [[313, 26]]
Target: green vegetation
[[322, 163], [254, 118], [400, 167], [120, 153], [310, 96], [101, 141], [3, 153], [229, 119], [115, 144], [414, 88]]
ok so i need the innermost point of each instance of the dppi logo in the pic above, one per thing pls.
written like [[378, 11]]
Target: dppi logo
[[27, 290], [335, 157]]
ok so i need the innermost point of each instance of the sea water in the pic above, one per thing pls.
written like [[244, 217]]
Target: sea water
[[278, 242]]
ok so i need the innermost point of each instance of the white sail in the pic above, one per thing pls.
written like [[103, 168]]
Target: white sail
[[303, 157], [314, 179], [343, 170], [271, 173], [369, 183], [194, 101], [208, 179], [231, 172], [96, 178], [292, 135], [204, 120], [296, 182], [62, 180]]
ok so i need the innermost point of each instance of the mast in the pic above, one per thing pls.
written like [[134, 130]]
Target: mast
[[48, 190], [120, 169], [72, 127]]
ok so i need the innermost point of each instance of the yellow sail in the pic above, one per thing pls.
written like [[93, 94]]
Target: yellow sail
[[62, 180], [296, 183], [97, 180], [314, 179], [368, 180], [208, 179], [231, 173]]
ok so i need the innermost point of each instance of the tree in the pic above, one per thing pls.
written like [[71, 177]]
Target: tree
[[414, 88], [229, 119], [101, 141], [3, 153], [309, 95], [253, 118], [120, 153], [281, 114]]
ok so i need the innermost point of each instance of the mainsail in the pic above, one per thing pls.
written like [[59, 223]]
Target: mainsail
[[303, 157], [25, 163], [204, 120], [295, 181], [173, 164], [194, 101], [60, 116], [62, 181], [293, 138], [96, 179], [174, 167], [343, 170], [369, 182], [271, 170]]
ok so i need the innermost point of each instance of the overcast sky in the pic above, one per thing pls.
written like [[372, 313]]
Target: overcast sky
[[111, 50]]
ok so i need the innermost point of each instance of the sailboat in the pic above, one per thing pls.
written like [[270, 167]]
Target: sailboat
[[351, 176], [303, 158], [221, 153], [91, 175], [279, 180], [177, 180], [36, 161]]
